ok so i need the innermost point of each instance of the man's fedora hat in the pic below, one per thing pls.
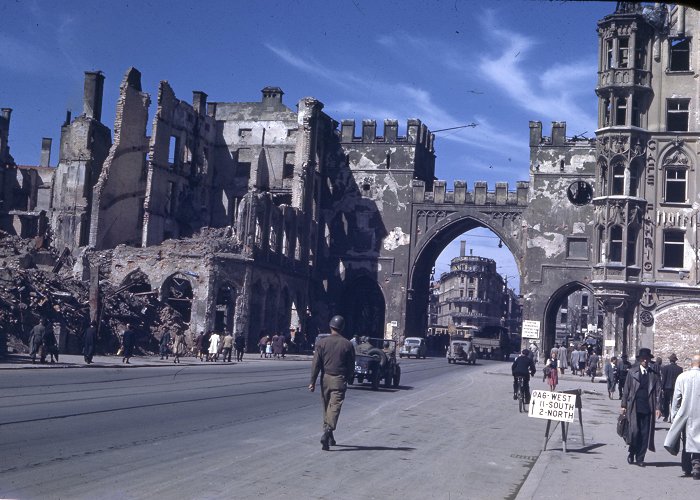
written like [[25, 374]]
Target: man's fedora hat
[[645, 352]]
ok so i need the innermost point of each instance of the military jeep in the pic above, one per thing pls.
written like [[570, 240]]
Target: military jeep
[[375, 360]]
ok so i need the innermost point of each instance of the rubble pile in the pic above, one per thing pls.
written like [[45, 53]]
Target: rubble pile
[[27, 294]]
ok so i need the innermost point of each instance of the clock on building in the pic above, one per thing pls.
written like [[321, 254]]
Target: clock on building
[[580, 193]]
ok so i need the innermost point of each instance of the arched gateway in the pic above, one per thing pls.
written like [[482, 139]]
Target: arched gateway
[[440, 217]]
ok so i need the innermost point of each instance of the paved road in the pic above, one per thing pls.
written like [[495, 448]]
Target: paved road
[[251, 429]]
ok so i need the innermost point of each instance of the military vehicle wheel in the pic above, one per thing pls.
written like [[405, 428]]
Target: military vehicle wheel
[[379, 354], [387, 380], [397, 376], [360, 379], [400, 355]]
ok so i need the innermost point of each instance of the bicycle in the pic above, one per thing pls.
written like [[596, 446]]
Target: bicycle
[[521, 394]]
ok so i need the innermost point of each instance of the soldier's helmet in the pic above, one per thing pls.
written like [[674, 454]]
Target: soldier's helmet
[[337, 323]]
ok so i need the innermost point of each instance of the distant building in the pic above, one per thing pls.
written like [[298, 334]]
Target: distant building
[[578, 317], [472, 293]]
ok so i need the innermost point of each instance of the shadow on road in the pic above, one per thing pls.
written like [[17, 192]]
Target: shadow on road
[[663, 464], [585, 449], [381, 389], [350, 447]]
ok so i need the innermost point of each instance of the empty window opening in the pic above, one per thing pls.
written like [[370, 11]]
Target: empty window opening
[[245, 133], [618, 180], [623, 52], [607, 113], [608, 54], [673, 248], [636, 113], [173, 148], [288, 167], [640, 56], [677, 115], [564, 318], [615, 254], [675, 185], [680, 54], [621, 111], [631, 246], [634, 180]]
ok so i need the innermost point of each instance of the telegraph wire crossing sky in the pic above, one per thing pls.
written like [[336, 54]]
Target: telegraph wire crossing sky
[[477, 71]]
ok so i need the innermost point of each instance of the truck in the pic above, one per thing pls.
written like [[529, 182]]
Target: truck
[[491, 341]]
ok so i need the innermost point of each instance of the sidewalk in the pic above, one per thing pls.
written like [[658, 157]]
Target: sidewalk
[[23, 361], [600, 467]]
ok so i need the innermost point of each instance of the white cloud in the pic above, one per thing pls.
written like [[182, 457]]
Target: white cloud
[[554, 96]]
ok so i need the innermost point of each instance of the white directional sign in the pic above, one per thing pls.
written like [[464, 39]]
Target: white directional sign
[[552, 406], [531, 329]]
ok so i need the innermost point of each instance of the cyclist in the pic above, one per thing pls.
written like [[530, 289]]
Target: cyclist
[[524, 367]]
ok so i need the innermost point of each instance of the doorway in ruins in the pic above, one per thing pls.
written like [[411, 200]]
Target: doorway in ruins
[[363, 307], [572, 316], [464, 276], [177, 293], [225, 308], [137, 282]]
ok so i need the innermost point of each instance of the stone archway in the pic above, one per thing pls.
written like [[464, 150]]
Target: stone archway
[[551, 310], [225, 308], [177, 293], [439, 233]]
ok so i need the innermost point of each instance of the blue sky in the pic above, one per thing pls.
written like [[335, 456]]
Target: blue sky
[[494, 64]]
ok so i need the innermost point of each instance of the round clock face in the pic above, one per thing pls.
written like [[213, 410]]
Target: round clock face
[[580, 193]]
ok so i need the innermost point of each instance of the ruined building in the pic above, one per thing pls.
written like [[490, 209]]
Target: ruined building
[[254, 217]]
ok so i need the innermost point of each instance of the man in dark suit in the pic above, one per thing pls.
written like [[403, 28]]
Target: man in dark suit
[[669, 374], [640, 399]]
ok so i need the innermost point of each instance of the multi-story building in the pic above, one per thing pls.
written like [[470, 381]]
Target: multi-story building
[[472, 293]]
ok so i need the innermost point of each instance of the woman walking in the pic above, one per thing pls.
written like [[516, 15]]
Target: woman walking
[[553, 377], [179, 346]]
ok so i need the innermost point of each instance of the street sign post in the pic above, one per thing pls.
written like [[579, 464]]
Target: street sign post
[[531, 329], [559, 407]]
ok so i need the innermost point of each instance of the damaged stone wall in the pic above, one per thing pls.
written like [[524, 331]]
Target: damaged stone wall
[[179, 180], [85, 143], [254, 150], [366, 221], [559, 250], [120, 191]]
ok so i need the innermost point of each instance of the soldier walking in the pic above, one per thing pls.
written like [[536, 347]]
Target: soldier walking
[[334, 358]]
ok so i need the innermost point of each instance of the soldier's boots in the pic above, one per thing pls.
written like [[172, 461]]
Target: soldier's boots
[[325, 441], [331, 438]]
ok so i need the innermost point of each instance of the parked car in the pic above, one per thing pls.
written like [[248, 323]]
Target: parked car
[[461, 349], [413, 346], [375, 360]]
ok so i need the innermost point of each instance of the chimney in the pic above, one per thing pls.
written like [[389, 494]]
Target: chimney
[[272, 96], [92, 94], [45, 152], [462, 248], [199, 101]]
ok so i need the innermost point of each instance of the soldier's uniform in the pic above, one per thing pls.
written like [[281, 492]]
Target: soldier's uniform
[[334, 358]]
